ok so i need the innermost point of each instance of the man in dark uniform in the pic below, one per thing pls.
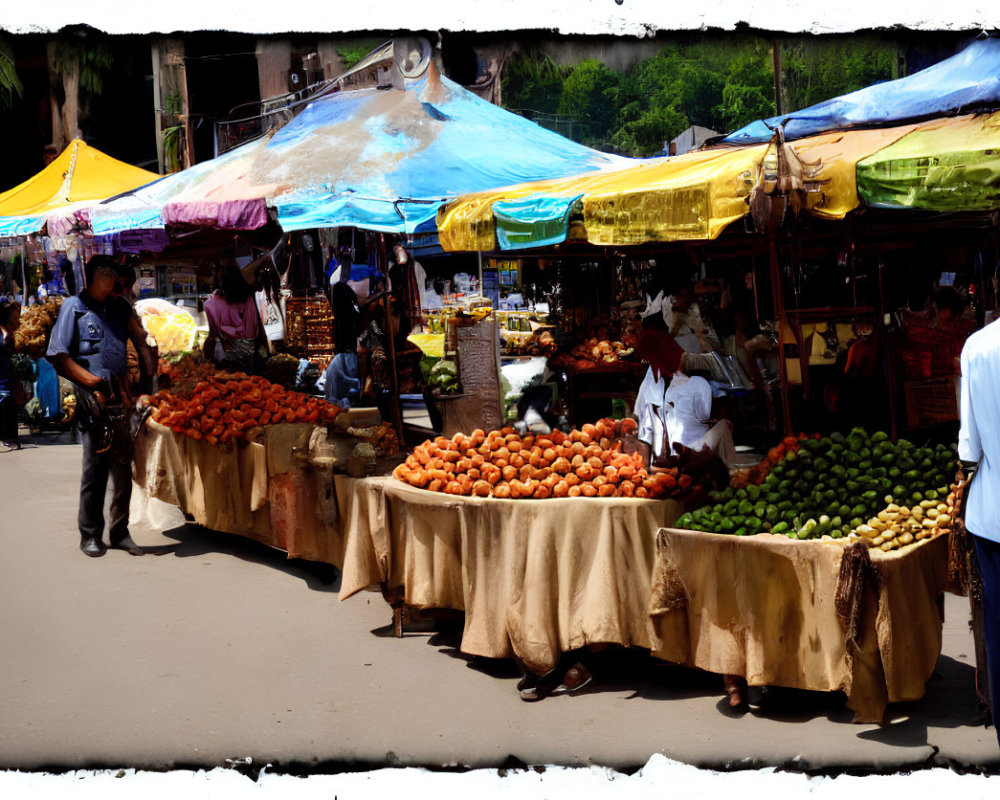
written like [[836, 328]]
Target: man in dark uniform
[[88, 347]]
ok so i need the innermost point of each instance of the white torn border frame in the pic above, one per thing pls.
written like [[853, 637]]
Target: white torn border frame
[[638, 18], [660, 777]]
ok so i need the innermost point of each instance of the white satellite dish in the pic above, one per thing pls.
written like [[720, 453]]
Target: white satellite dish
[[412, 56]]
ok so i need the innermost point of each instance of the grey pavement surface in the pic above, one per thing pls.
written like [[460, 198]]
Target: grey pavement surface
[[218, 648]]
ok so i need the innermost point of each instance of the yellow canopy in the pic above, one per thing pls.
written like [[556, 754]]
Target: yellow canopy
[[694, 196], [689, 197], [80, 174]]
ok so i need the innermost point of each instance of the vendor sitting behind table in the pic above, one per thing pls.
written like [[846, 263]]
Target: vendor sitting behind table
[[234, 329], [678, 412]]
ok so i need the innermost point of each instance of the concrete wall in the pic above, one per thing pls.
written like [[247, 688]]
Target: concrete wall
[[274, 60]]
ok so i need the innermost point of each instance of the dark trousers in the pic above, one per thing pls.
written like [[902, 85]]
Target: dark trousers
[[8, 419], [988, 553], [97, 468]]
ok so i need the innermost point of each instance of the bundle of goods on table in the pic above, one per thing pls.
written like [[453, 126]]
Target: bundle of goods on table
[[588, 462], [854, 487], [32, 334], [595, 354], [31, 340]]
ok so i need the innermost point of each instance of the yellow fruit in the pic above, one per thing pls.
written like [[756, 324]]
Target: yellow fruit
[[173, 332]]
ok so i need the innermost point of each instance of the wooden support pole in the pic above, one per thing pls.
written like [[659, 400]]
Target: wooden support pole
[[888, 357], [778, 295]]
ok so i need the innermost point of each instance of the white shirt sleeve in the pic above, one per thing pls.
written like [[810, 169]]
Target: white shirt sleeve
[[970, 446]]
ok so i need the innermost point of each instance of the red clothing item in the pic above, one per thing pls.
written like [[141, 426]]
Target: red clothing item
[[232, 320], [660, 350]]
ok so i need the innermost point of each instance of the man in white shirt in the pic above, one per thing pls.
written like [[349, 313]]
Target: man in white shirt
[[678, 411], [979, 451], [658, 348], [688, 401]]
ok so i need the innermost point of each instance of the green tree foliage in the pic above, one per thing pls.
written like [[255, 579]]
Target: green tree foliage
[[10, 84], [819, 69], [749, 90], [351, 54], [719, 83], [532, 82], [589, 93]]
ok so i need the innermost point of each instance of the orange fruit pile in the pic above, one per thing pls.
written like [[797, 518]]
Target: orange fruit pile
[[584, 463], [222, 406]]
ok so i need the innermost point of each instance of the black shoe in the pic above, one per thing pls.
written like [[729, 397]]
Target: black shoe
[[128, 546], [93, 547], [533, 687]]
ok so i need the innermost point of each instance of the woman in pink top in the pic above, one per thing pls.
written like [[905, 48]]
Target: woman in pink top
[[234, 329]]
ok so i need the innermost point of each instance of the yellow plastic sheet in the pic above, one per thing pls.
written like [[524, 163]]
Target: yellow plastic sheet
[[689, 197], [828, 166], [430, 344], [468, 224], [80, 173], [694, 196]]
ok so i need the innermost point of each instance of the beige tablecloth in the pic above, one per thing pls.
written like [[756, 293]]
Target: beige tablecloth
[[266, 491], [534, 578], [809, 615]]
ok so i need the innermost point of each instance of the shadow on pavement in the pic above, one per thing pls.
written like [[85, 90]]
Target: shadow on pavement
[[949, 702], [193, 541], [36, 440]]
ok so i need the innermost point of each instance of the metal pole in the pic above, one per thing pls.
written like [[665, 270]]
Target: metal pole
[[24, 280], [479, 254]]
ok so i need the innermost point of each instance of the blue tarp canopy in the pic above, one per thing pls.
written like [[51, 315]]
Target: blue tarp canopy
[[968, 81], [412, 151], [382, 160]]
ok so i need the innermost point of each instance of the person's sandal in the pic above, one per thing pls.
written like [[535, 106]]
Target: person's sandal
[[576, 679]]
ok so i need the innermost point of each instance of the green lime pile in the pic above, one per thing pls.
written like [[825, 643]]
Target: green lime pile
[[830, 487]]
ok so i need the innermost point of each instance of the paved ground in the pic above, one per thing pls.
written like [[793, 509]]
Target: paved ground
[[219, 648]]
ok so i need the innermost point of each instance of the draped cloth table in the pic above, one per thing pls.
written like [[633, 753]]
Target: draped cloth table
[[534, 578], [268, 491], [816, 615]]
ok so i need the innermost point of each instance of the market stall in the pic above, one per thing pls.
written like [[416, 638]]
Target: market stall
[[242, 455], [534, 579], [546, 543], [822, 616], [828, 574]]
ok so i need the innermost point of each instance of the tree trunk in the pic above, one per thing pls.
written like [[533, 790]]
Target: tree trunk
[[71, 103], [58, 136]]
